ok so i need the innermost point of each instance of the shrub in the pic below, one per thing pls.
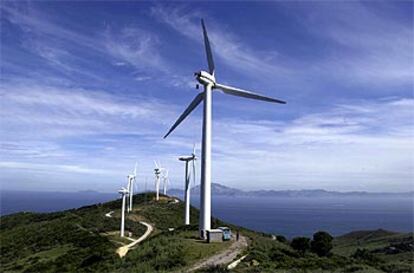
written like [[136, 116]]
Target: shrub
[[321, 243], [353, 268], [281, 238], [366, 256], [300, 244]]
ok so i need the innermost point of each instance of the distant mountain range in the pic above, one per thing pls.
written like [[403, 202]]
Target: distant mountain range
[[221, 190]]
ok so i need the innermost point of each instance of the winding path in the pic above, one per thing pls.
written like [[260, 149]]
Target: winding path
[[123, 250], [109, 214], [225, 257]]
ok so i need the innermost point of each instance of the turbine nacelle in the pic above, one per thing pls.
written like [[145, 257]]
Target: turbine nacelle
[[158, 168], [187, 158], [205, 78], [123, 191]]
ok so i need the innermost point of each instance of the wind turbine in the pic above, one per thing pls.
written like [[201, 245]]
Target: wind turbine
[[124, 192], [158, 171], [188, 173], [165, 180], [131, 182], [208, 80]]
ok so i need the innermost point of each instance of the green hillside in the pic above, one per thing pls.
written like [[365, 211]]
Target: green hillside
[[85, 240]]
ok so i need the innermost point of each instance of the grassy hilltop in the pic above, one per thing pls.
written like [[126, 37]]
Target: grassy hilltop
[[85, 240]]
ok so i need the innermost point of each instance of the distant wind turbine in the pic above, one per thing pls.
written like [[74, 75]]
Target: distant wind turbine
[[165, 181], [124, 192], [188, 174], [158, 171], [131, 183], [208, 80]]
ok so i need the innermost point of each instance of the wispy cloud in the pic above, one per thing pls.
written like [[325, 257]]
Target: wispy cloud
[[70, 131], [67, 110], [226, 45], [61, 44], [135, 47], [360, 46], [348, 147], [370, 47], [54, 168]]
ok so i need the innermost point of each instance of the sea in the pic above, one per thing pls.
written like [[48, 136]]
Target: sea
[[288, 216]]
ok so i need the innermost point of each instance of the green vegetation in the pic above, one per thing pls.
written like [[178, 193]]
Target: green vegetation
[[321, 243], [281, 238], [58, 242], [386, 251], [170, 251], [300, 244], [364, 251], [85, 240]]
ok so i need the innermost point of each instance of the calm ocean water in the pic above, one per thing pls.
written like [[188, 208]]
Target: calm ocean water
[[287, 216], [304, 216]]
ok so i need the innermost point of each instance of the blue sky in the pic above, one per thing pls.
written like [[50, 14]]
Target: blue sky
[[88, 88]]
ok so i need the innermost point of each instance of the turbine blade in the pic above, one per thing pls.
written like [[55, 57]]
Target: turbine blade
[[135, 169], [196, 101], [246, 94], [156, 165], [208, 49]]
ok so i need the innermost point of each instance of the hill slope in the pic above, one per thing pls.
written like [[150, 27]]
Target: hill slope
[[85, 240]]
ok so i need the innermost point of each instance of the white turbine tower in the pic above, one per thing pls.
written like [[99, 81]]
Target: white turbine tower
[[131, 182], [165, 180], [158, 171], [188, 174], [208, 80], [124, 192]]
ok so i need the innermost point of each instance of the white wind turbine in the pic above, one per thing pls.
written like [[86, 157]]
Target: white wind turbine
[[131, 182], [158, 171], [188, 173], [208, 80], [165, 180], [124, 192]]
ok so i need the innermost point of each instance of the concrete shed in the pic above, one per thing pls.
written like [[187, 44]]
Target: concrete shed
[[214, 235]]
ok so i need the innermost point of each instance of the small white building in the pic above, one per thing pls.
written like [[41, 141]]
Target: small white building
[[214, 235]]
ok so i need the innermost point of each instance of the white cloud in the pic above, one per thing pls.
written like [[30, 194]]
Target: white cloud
[[360, 47], [47, 131], [142, 78], [53, 168], [79, 132], [366, 47], [61, 44], [366, 145], [38, 111], [343, 148], [135, 46]]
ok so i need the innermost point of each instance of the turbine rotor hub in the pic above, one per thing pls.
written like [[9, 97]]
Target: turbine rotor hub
[[205, 78]]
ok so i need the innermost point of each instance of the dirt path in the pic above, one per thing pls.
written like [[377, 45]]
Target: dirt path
[[225, 257], [123, 250], [109, 214]]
